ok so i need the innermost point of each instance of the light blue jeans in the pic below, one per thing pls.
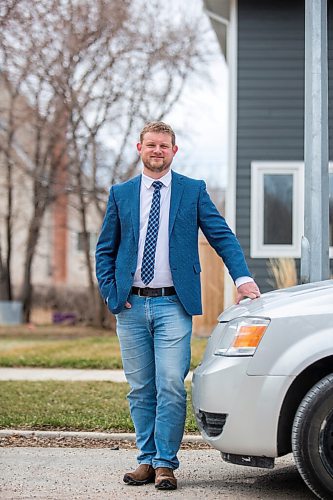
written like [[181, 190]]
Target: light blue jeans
[[155, 336]]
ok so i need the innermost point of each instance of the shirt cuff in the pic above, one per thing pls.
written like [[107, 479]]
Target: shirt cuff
[[243, 279]]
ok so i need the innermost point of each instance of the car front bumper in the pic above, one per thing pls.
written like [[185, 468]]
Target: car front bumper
[[238, 413]]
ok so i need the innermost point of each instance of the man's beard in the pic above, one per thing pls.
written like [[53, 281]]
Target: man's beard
[[157, 169]]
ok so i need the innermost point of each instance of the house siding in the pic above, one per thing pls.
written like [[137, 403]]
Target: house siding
[[270, 100]]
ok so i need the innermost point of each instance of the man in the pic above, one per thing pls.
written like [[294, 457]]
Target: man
[[148, 270]]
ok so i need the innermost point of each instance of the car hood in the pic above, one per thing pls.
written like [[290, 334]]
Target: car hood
[[309, 299]]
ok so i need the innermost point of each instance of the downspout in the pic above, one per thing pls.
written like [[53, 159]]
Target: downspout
[[231, 59], [315, 242]]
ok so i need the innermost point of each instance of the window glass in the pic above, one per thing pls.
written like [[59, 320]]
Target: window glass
[[278, 209], [92, 241], [80, 242]]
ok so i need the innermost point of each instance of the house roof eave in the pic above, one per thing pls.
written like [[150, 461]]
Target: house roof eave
[[218, 12]]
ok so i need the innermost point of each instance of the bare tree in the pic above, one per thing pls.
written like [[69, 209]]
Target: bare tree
[[141, 79], [15, 115], [22, 48], [96, 72], [8, 9]]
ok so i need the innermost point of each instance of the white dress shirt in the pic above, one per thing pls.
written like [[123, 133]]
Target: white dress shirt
[[162, 274]]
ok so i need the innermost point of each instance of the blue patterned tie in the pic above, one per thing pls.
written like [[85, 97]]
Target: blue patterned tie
[[148, 260]]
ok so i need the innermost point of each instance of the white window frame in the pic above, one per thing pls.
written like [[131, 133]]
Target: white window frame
[[258, 170]]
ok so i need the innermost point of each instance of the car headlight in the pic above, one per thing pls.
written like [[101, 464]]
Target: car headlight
[[242, 336]]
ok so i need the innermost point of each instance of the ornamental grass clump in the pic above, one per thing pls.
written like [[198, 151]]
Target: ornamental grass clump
[[283, 271]]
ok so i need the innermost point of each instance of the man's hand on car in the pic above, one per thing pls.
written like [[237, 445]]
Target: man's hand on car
[[247, 290]]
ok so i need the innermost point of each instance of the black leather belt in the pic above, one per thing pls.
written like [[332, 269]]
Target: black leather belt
[[154, 292]]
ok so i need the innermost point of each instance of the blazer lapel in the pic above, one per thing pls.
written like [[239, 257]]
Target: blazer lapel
[[177, 188], [135, 206]]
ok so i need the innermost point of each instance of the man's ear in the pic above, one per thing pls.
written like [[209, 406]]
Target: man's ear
[[174, 149], [139, 147]]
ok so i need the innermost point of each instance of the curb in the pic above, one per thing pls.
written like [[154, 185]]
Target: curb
[[112, 436]]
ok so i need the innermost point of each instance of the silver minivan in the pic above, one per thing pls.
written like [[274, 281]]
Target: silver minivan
[[265, 385]]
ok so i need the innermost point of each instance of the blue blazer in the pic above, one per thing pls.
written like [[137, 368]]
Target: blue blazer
[[190, 209]]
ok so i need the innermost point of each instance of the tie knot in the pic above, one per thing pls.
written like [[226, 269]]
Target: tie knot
[[157, 184]]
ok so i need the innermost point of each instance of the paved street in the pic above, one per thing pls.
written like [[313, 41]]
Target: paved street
[[95, 474]]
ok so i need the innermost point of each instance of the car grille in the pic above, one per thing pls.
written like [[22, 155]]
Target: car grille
[[212, 423]]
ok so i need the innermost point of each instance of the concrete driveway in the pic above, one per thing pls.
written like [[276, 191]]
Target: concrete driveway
[[76, 473]]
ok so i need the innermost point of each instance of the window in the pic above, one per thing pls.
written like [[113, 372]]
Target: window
[[277, 209], [92, 242]]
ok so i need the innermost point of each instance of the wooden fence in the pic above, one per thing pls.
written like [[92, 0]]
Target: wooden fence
[[212, 288]]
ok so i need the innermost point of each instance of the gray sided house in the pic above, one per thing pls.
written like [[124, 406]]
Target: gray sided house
[[263, 42]]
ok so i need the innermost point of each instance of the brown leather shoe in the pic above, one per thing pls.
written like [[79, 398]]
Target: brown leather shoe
[[144, 474], [165, 480]]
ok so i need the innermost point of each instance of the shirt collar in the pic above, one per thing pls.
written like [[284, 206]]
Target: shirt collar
[[148, 181]]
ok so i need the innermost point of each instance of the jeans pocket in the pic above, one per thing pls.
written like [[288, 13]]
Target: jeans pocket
[[172, 298]]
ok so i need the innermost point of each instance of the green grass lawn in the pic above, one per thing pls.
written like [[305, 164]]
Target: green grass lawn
[[89, 406], [55, 348], [89, 352]]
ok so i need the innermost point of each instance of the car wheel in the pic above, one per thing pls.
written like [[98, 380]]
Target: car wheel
[[312, 438]]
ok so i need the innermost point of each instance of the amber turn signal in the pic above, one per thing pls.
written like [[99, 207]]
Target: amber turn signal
[[249, 336]]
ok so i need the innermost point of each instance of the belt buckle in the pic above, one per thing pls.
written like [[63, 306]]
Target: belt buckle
[[139, 292]]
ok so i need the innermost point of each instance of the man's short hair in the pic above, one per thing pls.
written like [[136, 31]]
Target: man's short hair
[[159, 127]]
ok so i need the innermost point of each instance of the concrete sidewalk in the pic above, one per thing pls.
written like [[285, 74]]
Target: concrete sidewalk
[[71, 375]]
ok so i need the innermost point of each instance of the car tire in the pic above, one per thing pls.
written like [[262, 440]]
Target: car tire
[[312, 438]]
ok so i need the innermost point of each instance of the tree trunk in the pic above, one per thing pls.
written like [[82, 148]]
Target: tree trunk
[[5, 265], [32, 240], [9, 229], [3, 281], [86, 246]]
